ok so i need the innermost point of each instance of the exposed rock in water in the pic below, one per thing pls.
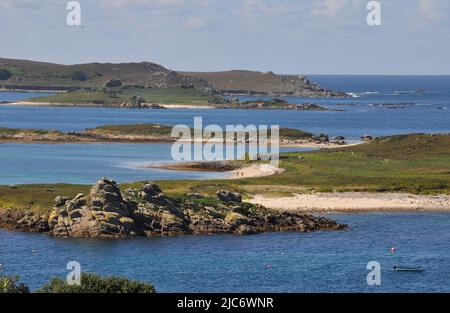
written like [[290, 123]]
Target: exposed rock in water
[[146, 211]]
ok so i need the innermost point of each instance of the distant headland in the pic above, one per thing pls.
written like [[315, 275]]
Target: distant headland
[[133, 84]]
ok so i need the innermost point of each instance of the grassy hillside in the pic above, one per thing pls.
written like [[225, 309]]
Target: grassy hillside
[[135, 129], [122, 95], [378, 166], [407, 147], [263, 83], [31, 73], [24, 74]]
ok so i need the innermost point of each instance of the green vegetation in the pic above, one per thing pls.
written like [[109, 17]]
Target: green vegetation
[[164, 130], [93, 75], [49, 76], [37, 198], [5, 74], [135, 129], [90, 283], [15, 131], [378, 166], [407, 147], [117, 96], [291, 134], [11, 284], [15, 71], [274, 101], [151, 131], [79, 75], [410, 163], [79, 97], [263, 83]]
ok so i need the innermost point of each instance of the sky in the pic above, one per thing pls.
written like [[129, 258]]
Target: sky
[[283, 36]]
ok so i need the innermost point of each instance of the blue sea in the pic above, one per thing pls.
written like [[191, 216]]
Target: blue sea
[[369, 112], [274, 262]]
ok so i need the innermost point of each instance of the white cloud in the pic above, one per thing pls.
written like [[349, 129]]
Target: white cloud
[[434, 9]]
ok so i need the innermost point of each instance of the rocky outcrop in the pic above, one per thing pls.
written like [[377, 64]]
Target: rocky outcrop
[[112, 83], [367, 137], [146, 211], [264, 83], [272, 105], [229, 197]]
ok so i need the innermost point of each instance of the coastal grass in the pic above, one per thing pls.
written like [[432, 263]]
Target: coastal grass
[[165, 130], [417, 163], [120, 95], [37, 198], [162, 132], [16, 131], [135, 129]]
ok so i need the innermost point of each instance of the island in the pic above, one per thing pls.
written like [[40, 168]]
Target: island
[[153, 133], [149, 85]]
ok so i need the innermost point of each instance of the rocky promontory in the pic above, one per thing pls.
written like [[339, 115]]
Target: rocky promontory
[[107, 212], [264, 83]]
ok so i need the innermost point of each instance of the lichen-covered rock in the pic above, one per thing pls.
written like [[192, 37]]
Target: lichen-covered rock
[[60, 201], [106, 213], [235, 219], [229, 197]]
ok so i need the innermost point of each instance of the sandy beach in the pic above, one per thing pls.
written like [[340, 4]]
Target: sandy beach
[[256, 170], [39, 104], [315, 145], [166, 106], [185, 106], [356, 202]]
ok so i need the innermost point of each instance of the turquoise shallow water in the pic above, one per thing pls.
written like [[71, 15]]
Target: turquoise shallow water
[[85, 163], [275, 262], [26, 163]]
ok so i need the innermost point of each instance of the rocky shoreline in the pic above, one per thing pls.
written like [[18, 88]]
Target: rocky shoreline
[[141, 104], [145, 211], [151, 133], [210, 166]]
